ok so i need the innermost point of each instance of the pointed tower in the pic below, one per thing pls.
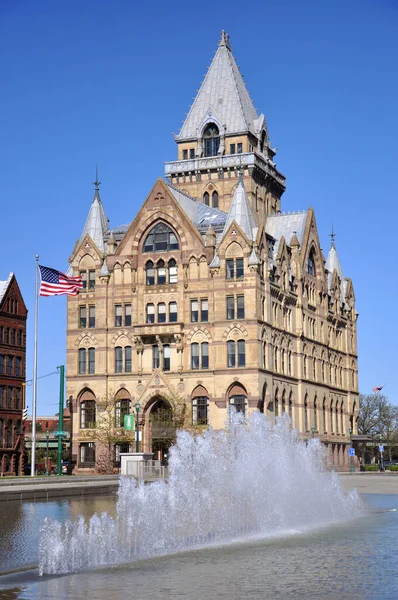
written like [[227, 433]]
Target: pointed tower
[[333, 264], [96, 223], [241, 213], [223, 136]]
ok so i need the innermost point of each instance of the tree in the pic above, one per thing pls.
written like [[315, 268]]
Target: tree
[[378, 417], [106, 433]]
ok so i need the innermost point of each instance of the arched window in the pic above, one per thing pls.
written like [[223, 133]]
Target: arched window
[[331, 417], [204, 351], [214, 199], [127, 359], [122, 408], [162, 312], [200, 406], [283, 402], [155, 357], [118, 359], [87, 414], [316, 414], [238, 398], [231, 359], [324, 428], [173, 312], [91, 361], [150, 273], [160, 239], [195, 356], [82, 361], [276, 404], [166, 357], [161, 272], [172, 271], [311, 264], [262, 143], [9, 434], [150, 313], [342, 418], [206, 199], [264, 349], [291, 407], [211, 138], [306, 420]]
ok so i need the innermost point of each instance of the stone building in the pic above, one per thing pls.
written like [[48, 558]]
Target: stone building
[[212, 297], [13, 315]]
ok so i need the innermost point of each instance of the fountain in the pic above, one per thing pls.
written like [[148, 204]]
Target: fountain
[[254, 479]]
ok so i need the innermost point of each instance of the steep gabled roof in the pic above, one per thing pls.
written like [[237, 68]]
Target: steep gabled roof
[[241, 213], [224, 92], [4, 286], [286, 225], [96, 223], [333, 264]]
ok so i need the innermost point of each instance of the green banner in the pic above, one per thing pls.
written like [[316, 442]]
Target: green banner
[[129, 422]]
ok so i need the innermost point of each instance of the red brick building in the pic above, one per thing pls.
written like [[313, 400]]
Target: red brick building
[[13, 315]]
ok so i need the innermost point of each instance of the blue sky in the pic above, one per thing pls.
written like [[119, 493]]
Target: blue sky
[[95, 81]]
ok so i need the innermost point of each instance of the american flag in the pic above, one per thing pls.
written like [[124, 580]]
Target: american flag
[[55, 283], [377, 389]]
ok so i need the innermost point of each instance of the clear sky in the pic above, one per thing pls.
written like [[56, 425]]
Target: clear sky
[[107, 82]]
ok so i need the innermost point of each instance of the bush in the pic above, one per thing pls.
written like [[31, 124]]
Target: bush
[[371, 467], [392, 468]]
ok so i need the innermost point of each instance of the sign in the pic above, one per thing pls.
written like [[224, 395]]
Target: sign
[[129, 422], [381, 448], [60, 433], [351, 451], [139, 436]]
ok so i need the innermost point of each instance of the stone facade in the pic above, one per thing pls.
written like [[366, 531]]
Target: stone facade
[[13, 315], [209, 301]]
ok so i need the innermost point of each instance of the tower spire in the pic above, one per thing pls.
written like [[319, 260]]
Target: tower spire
[[96, 183], [224, 41], [332, 236]]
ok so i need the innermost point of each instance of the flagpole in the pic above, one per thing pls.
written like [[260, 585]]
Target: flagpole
[[34, 404]]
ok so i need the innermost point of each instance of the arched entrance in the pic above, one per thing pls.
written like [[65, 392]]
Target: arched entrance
[[162, 431]]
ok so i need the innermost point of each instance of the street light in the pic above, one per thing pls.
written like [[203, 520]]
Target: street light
[[381, 453], [352, 467], [137, 410], [47, 436], [313, 430]]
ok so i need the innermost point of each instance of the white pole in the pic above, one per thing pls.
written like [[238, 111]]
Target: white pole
[[33, 461]]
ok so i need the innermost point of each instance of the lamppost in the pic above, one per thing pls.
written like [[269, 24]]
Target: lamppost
[[47, 436], [137, 410], [381, 453], [352, 468], [313, 430]]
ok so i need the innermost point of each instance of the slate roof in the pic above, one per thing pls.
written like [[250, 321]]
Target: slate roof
[[201, 215], [224, 92], [284, 225], [241, 212], [332, 263], [4, 286], [96, 223]]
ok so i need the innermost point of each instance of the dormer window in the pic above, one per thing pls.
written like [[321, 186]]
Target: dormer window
[[211, 138], [161, 239], [311, 265]]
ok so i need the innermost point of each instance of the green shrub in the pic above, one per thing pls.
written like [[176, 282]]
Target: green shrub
[[371, 468], [392, 468]]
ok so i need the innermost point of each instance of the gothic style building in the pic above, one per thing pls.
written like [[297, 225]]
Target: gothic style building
[[212, 297], [13, 314]]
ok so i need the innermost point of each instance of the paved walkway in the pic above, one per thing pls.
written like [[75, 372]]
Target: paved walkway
[[43, 488], [370, 483]]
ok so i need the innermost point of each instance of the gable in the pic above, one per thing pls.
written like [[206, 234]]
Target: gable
[[11, 300]]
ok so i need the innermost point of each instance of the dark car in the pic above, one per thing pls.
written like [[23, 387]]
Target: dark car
[[390, 463]]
